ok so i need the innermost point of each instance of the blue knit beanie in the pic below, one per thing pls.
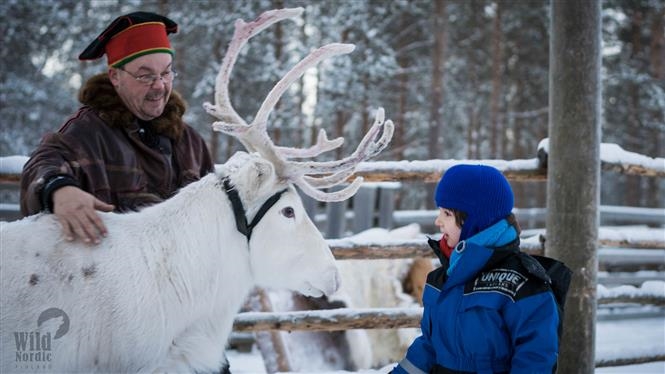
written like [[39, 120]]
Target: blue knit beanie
[[480, 191]]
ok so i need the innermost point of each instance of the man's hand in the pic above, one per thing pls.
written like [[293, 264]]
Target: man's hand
[[76, 211]]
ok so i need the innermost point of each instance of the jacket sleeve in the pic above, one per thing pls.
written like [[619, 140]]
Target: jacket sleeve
[[196, 158], [420, 357], [533, 323], [53, 157], [207, 163]]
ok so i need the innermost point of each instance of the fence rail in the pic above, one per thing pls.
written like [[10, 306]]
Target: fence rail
[[329, 320], [345, 249], [643, 252], [612, 158], [630, 361], [609, 214], [654, 259], [376, 318]]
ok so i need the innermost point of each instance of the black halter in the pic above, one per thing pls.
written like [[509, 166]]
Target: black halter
[[239, 210]]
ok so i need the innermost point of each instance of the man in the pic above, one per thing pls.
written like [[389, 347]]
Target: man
[[127, 146]]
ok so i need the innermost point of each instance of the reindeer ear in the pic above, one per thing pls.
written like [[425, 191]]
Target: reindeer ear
[[260, 174], [264, 170]]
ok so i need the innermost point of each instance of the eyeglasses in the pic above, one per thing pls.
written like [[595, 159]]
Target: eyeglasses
[[150, 79]]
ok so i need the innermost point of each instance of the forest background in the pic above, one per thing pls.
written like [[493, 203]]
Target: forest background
[[462, 79]]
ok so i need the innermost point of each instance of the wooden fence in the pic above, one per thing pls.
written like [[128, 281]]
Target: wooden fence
[[388, 318]]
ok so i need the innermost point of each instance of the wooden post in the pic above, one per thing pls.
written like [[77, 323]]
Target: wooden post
[[573, 177], [336, 218], [387, 204], [363, 208], [273, 348]]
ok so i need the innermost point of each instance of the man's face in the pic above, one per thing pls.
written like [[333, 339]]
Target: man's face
[[145, 100]]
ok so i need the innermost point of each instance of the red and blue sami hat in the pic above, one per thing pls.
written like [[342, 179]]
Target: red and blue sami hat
[[131, 36]]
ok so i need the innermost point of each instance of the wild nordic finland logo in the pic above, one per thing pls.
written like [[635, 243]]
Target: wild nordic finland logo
[[34, 348], [504, 281]]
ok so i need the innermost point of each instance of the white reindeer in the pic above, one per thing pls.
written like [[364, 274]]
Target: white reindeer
[[160, 293]]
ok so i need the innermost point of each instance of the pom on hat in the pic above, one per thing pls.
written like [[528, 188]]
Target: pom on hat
[[480, 191], [131, 36]]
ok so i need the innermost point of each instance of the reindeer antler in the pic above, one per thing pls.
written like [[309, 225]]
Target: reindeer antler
[[310, 176]]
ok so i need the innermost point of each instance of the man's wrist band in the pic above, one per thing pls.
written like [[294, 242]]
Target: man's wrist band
[[50, 186]]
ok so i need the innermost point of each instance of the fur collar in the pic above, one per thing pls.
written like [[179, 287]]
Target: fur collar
[[98, 93]]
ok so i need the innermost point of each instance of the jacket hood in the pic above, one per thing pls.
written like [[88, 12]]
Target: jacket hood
[[98, 93]]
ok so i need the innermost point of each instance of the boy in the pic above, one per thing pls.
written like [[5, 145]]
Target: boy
[[489, 308]]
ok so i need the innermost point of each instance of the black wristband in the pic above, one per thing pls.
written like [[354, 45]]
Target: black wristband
[[51, 185]]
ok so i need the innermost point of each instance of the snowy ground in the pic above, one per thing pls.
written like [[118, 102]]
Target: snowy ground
[[614, 338]]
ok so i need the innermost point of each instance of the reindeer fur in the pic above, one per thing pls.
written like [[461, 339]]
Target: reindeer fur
[[161, 291]]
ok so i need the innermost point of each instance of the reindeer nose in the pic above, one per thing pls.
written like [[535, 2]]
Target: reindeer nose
[[330, 280]]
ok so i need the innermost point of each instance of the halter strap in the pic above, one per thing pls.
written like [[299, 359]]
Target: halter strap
[[239, 211]]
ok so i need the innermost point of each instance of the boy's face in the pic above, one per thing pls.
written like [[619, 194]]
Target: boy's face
[[448, 227]]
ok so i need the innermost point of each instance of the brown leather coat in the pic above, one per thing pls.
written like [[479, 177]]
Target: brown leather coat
[[103, 147]]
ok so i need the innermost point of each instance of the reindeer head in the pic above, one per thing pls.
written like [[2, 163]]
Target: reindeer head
[[286, 238], [286, 250]]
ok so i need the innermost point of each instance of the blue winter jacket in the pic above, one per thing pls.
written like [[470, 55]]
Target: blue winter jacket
[[484, 312]]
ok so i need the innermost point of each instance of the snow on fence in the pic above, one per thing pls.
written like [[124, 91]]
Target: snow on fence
[[611, 241], [650, 293], [535, 217], [612, 158], [649, 239]]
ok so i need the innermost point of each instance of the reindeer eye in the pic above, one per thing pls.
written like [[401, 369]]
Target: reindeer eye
[[288, 212]]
